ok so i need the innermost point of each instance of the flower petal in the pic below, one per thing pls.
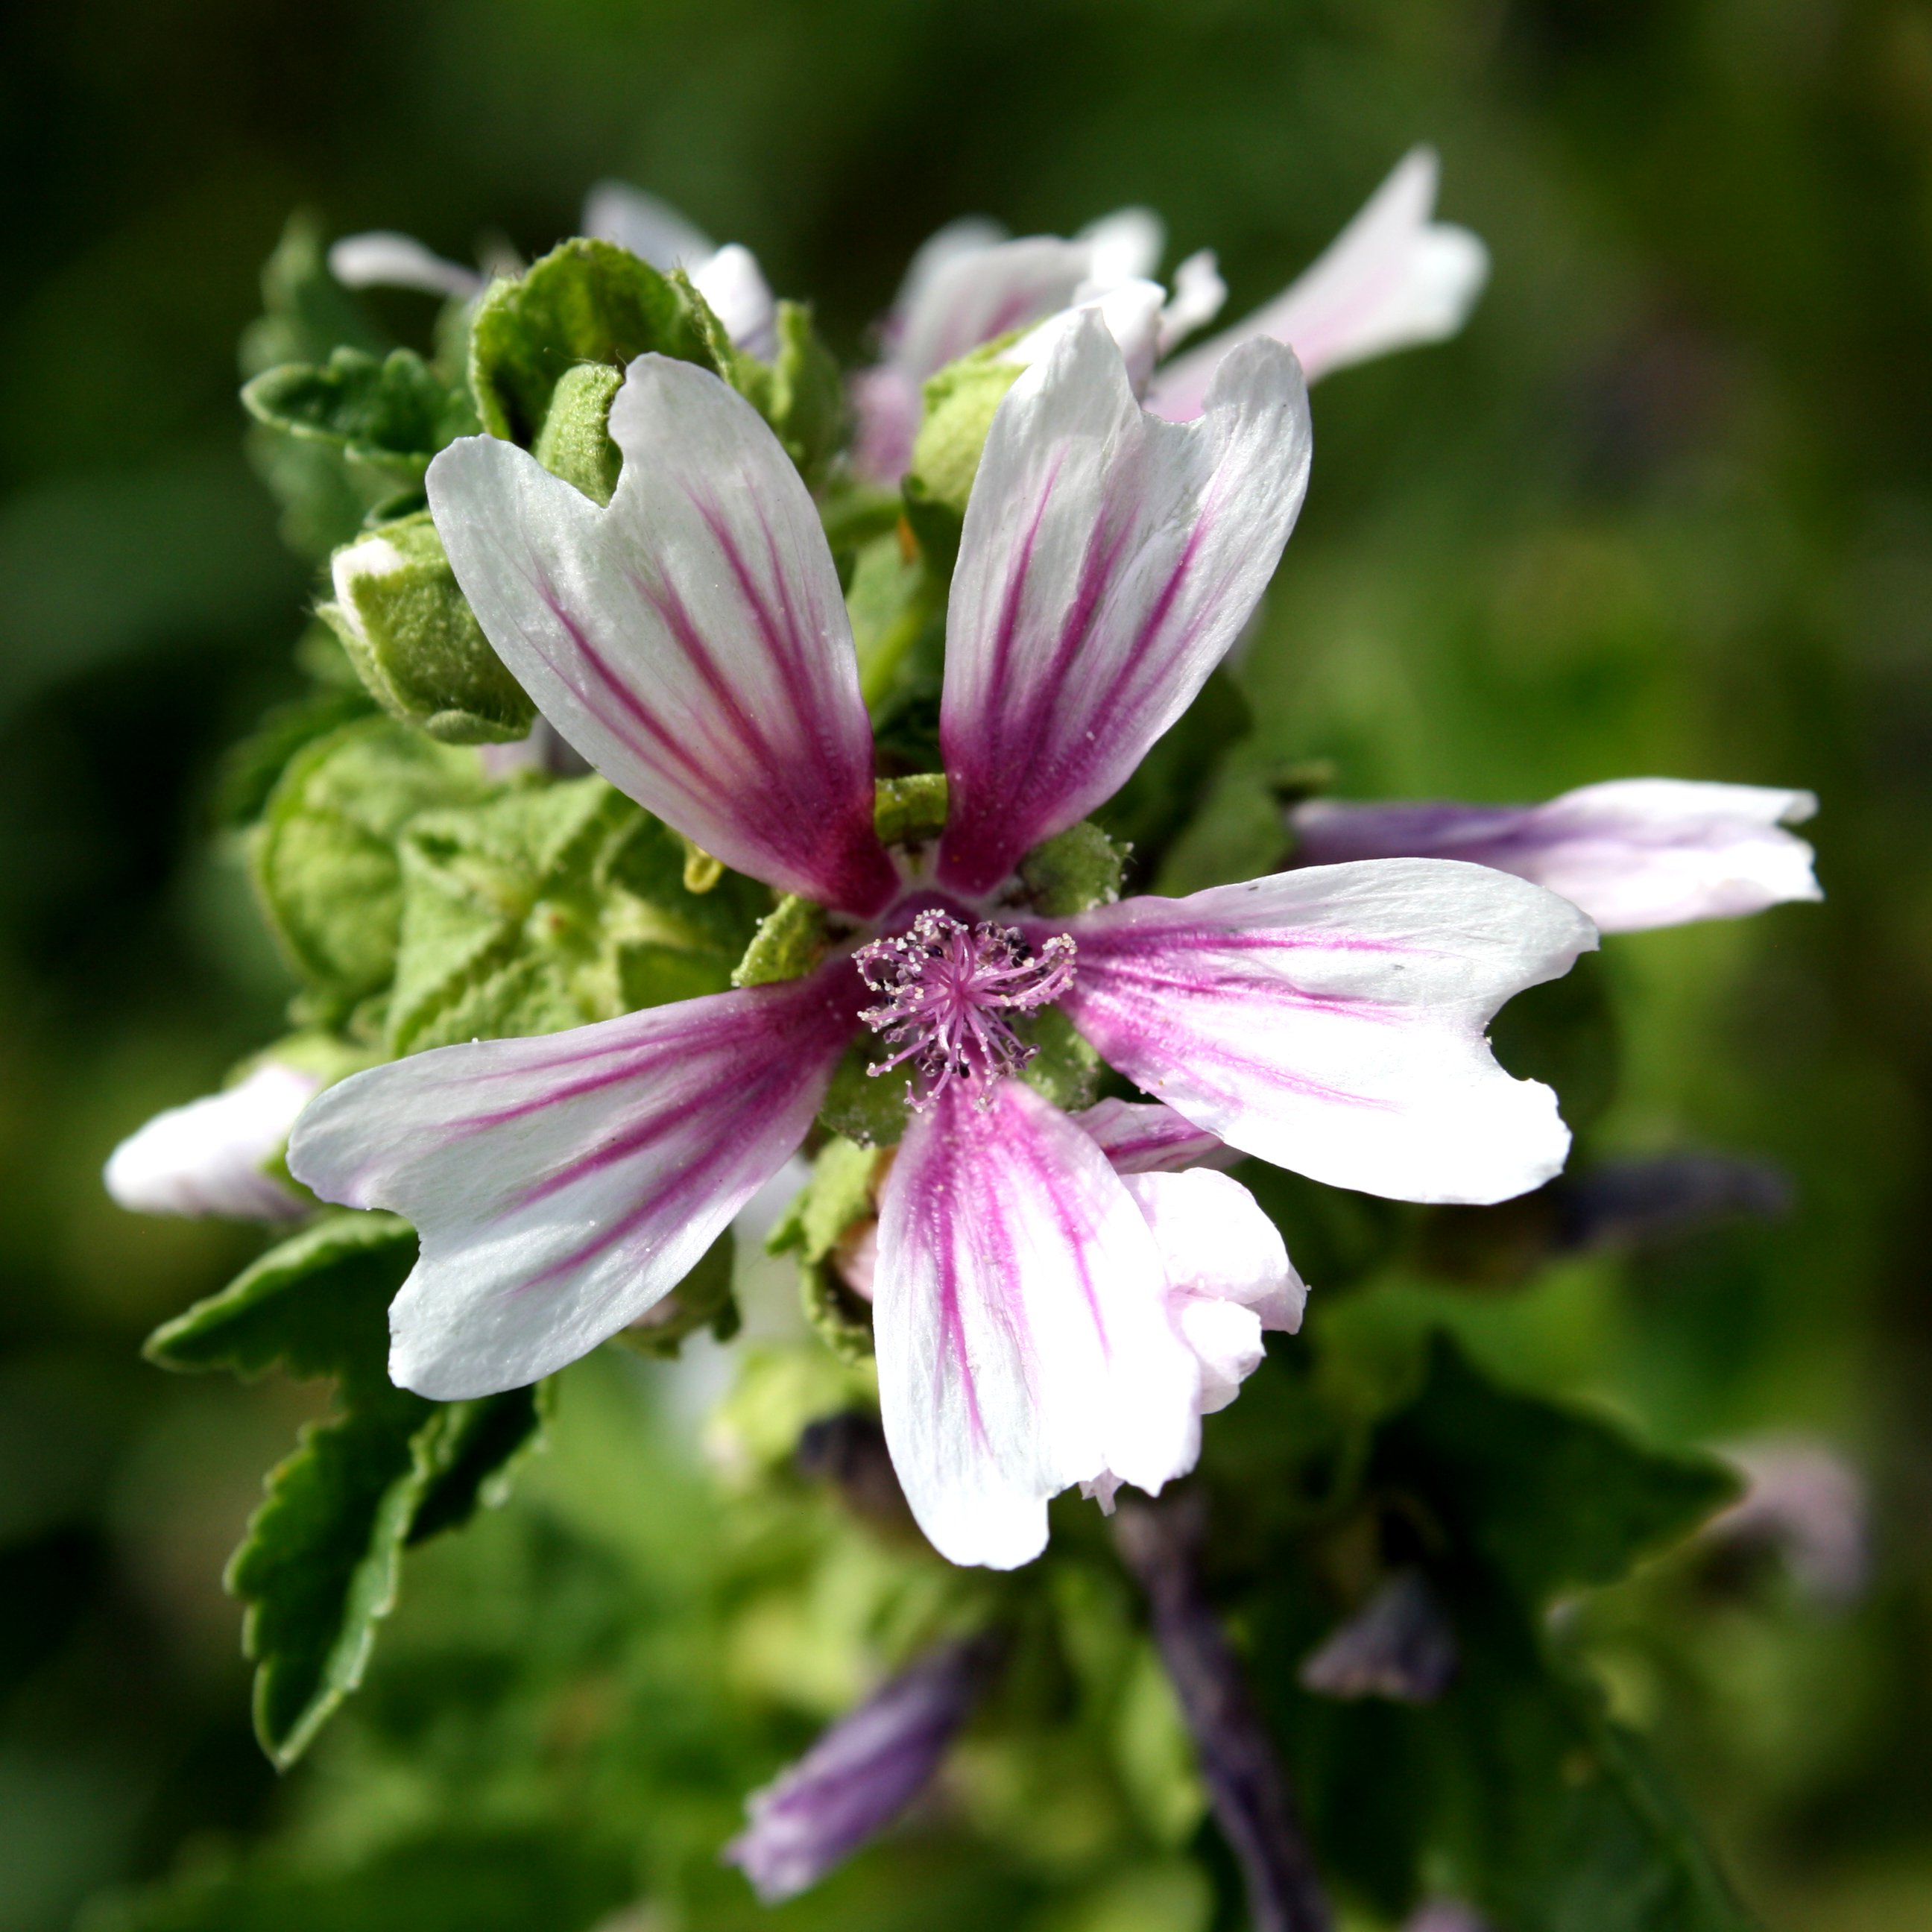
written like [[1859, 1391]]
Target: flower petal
[[1123, 247], [975, 294], [563, 1185], [1633, 853], [1109, 560], [651, 229], [690, 640], [1391, 279], [1198, 293], [1331, 1021], [383, 259], [208, 1157], [1228, 1275], [1140, 1137], [1133, 313], [1022, 1346], [734, 285]]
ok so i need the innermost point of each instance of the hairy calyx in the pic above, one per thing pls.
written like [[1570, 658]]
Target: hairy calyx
[[949, 988]]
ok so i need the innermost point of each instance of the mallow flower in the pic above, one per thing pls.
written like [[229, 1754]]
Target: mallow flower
[[212, 1157], [728, 277], [690, 640], [1394, 278], [1633, 853]]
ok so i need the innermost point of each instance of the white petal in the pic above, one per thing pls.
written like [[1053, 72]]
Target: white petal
[[974, 294], [690, 640], [1393, 278], [652, 229], [1132, 311], [562, 1186], [734, 285], [1022, 1343], [1198, 293], [1633, 853], [207, 1158], [1126, 246], [1332, 1020], [1140, 1137], [1229, 1273], [970, 234], [1109, 560], [382, 259]]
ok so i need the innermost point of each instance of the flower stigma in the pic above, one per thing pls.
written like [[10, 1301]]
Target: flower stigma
[[948, 987]]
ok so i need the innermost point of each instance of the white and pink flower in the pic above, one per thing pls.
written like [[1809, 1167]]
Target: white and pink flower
[[1031, 1301], [1393, 278], [1633, 853]]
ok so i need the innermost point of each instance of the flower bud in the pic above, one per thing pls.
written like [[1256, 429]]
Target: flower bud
[[861, 1774], [415, 643], [212, 1157]]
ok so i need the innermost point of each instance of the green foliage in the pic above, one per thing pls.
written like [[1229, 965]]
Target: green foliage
[[387, 416], [801, 394], [838, 1201], [585, 301], [1073, 871], [324, 857], [909, 811], [307, 313], [574, 442], [791, 940], [414, 640], [960, 403], [319, 1567]]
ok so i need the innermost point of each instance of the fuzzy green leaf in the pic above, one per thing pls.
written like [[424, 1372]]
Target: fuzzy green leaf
[[324, 857]]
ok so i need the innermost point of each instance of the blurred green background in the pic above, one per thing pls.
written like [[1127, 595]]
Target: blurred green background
[[1666, 507]]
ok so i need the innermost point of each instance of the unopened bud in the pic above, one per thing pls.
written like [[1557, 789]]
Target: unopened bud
[[415, 643]]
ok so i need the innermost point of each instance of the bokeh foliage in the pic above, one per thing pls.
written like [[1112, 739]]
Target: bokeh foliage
[[1667, 507]]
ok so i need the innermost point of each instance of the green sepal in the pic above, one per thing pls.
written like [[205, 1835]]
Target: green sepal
[[249, 770], [1064, 1068], [1073, 871], [791, 940], [575, 443], [871, 1110], [550, 906], [909, 811], [324, 857], [414, 640], [804, 399], [959, 404], [702, 1299], [386, 416], [836, 1315], [586, 301], [838, 1198]]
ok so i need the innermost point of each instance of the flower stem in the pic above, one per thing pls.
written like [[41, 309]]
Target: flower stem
[[1160, 1544]]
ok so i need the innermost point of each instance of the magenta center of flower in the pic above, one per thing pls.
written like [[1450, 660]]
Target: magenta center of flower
[[949, 988]]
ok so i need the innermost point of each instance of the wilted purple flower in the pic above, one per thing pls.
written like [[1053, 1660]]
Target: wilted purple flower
[[1393, 278], [1633, 853], [861, 1774], [1398, 1646], [210, 1157], [1803, 1499], [691, 640]]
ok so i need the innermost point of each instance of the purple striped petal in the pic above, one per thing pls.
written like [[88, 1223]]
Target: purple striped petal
[[1332, 1021], [563, 1185], [211, 1156], [1022, 1342], [1108, 562], [1633, 853], [971, 294], [1138, 1138], [1392, 278], [690, 640]]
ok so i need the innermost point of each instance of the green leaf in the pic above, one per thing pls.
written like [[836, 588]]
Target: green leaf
[[586, 301], [416, 644], [307, 314], [1549, 1497], [386, 417], [324, 857], [805, 396], [482, 1445], [549, 908], [249, 769], [317, 1304]]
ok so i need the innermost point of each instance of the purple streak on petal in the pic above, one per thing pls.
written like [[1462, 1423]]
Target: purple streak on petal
[[1108, 561], [561, 1187], [1140, 1137], [690, 638], [861, 1773]]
